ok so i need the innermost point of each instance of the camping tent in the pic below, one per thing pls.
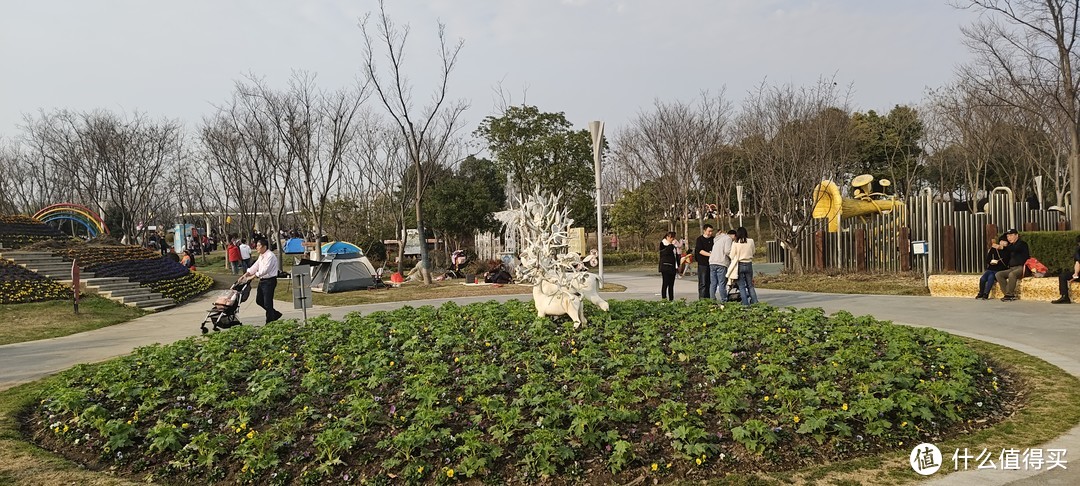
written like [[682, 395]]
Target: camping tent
[[338, 272], [294, 246], [341, 247]]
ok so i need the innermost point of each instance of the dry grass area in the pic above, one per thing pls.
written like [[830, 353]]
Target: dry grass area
[[846, 283], [43, 320]]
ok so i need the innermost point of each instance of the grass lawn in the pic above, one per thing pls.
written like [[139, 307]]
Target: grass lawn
[[847, 283], [55, 318]]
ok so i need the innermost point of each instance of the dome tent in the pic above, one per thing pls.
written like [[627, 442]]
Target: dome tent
[[335, 247]]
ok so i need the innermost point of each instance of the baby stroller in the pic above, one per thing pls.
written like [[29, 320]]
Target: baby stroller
[[223, 315]]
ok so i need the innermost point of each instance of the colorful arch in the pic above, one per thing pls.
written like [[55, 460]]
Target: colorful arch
[[75, 213]]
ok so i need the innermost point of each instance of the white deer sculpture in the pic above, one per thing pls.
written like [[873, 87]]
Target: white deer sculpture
[[558, 287]]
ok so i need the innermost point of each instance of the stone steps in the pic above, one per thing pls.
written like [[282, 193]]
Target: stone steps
[[117, 289]]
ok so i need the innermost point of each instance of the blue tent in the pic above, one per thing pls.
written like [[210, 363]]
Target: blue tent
[[294, 246], [341, 247]]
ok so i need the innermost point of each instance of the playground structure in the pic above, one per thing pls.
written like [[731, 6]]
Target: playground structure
[[956, 234], [75, 215]]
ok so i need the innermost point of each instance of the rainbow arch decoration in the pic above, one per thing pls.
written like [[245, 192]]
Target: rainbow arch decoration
[[75, 213]]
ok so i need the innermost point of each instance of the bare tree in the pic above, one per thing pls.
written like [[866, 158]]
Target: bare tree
[[1031, 46], [383, 164], [427, 131], [317, 129], [792, 139], [669, 144], [969, 126], [109, 160]]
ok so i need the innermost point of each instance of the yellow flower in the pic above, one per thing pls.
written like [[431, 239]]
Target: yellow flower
[[698, 461], [449, 473], [456, 359], [766, 398], [655, 466], [699, 411], [903, 424], [844, 407], [420, 470], [796, 419], [460, 399], [391, 363]]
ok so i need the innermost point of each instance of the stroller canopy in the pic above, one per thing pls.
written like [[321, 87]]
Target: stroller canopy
[[340, 247]]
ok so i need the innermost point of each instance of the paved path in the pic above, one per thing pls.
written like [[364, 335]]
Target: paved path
[[1036, 328]]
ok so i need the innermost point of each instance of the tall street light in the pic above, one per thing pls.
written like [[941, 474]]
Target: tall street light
[[596, 129]]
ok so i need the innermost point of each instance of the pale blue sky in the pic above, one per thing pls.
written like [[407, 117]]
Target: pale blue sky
[[592, 59]]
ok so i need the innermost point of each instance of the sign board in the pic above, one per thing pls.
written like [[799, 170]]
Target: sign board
[[301, 286], [75, 283], [920, 248], [576, 243], [412, 242]]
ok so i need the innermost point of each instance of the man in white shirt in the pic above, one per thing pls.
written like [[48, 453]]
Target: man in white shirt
[[245, 254], [266, 269]]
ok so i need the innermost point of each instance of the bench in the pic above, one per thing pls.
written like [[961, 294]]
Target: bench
[[1030, 288]]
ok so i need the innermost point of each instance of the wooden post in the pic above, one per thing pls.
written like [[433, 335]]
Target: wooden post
[[860, 249], [819, 251], [1031, 226], [905, 249], [948, 248], [991, 234]]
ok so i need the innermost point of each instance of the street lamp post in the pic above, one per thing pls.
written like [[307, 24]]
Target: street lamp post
[[738, 198], [596, 129]]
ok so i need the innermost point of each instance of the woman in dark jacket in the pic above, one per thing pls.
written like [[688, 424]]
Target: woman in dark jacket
[[669, 264], [997, 258]]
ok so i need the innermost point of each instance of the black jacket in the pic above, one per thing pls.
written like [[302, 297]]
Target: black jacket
[[668, 261], [1018, 253], [1000, 256]]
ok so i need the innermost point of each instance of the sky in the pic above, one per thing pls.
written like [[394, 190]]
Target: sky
[[591, 59]]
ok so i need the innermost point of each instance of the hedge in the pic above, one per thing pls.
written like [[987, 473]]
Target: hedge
[[1053, 248]]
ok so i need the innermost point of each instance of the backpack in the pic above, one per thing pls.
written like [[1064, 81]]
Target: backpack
[[1035, 268]]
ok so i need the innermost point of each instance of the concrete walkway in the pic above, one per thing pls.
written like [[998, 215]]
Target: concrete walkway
[[1036, 328]]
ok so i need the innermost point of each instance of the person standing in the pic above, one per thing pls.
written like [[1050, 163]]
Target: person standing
[[1065, 277], [719, 260], [232, 252], [265, 269], [742, 266], [245, 254], [702, 250], [668, 266], [1018, 256]]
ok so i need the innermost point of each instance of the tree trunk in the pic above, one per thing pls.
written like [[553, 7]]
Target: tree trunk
[[425, 263], [794, 257]]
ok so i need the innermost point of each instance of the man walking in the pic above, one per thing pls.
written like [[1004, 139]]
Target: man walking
[[266, 269], [1018, 256], [702, 251]]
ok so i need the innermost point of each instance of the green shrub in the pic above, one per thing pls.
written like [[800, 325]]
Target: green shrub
[[1053, 248]]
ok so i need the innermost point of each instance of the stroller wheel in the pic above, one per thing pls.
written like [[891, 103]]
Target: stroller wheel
[[204, 331]]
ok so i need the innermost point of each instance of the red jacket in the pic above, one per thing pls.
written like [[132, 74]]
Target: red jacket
[[233, 253]]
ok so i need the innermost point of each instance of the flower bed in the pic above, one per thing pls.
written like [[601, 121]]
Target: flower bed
[[19, 285], [90, 257], [149, 268], [488, 391], [182, 288], [17, 231]]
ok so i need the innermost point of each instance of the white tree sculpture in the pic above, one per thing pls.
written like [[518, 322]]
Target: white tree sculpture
[[558, 284]]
